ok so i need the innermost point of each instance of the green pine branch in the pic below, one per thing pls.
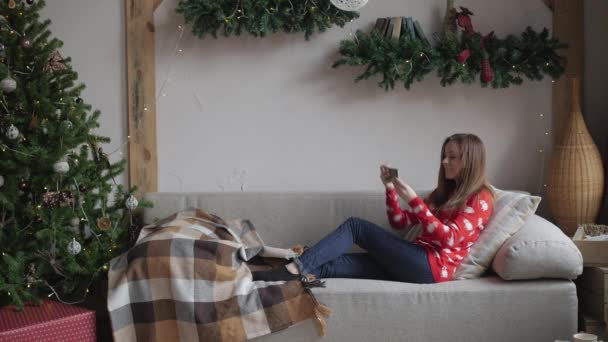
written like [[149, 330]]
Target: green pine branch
[[534, 55], [261, 17]]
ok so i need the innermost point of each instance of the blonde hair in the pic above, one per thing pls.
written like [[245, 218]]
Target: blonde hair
[[453, 194]]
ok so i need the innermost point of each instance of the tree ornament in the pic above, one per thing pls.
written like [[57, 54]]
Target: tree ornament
[[75, 221], [55, 62], [61, 167], [12, 132], [2, 48], [33, 123], [82, 188], [74, 247], [61, 199], [8, 85], [25, 43], [131, 202], [29, 2], [104, 223], [79, 100], [58, 113], [67, 124], [1, 181], [349, 5], [464, 20], [11, 4]]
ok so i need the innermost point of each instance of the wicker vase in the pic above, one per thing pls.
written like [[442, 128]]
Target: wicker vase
[[576, 175]]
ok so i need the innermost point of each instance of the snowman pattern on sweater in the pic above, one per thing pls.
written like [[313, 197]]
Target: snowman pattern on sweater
[[447, 236]]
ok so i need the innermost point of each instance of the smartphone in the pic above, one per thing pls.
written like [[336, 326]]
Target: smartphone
[[394, 173]]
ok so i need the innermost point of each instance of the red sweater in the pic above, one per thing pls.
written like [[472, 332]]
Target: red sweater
[[447, 236]]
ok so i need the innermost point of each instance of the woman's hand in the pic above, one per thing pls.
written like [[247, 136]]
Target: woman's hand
[[404, 190], [385, 176]]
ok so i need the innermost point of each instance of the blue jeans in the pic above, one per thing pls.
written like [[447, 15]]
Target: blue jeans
[[388, 256]]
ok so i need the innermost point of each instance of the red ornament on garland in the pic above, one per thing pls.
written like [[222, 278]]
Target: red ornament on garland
[[487, 73], [463, 56]]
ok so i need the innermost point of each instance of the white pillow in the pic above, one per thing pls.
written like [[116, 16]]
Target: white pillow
[[511, 209], [539, 250]]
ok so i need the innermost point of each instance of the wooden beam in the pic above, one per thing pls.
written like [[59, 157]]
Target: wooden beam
[[141, 87], [568, 27]]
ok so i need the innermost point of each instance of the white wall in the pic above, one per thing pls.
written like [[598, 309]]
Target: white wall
[[93, 34], [275, 109], [272, 114]]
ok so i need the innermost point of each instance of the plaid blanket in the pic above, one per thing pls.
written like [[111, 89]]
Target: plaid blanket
[[188, 278]]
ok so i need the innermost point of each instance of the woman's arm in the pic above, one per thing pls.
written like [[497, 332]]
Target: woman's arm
[[397, 217], [461, 229]]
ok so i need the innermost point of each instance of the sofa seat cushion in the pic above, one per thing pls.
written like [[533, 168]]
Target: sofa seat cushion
[[485, 309]]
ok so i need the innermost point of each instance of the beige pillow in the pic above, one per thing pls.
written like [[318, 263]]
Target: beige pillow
[[511, 209], [538, 250]]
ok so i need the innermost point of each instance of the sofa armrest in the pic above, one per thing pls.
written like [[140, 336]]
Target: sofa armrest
[[538, 250]]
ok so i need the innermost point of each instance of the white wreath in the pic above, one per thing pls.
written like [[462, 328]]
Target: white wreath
[[349, 5]]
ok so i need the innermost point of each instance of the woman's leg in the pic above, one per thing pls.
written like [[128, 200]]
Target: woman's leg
[[404, 261], [352, 265]]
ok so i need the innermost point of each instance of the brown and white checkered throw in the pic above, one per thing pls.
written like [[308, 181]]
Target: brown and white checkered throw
[[188, 278]]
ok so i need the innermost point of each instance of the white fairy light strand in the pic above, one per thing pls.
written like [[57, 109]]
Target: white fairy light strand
[[176, 49], [543, 152]]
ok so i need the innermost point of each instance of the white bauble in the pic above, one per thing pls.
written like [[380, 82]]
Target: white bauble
[[58, 113], [12, 132], [61, 167], [131, 202], [349, 5], [67, 124], [74, 247], [1, 181], [75, 222], [8, 85]]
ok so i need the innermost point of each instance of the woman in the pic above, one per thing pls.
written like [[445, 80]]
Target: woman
[[451, 218]]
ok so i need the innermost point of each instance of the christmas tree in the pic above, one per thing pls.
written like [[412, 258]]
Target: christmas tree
[[62, 215]]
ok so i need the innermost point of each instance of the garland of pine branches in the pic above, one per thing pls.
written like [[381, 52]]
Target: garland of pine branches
[[408, 59], [261, 17]]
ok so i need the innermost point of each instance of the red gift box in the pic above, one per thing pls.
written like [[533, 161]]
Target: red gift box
[[51, 321]]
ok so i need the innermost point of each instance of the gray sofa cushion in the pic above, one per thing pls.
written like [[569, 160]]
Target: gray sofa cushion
[[539, 250], [482, 309]]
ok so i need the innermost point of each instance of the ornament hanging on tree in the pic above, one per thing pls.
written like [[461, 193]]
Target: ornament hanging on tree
[[12, 132], [29, 2], [26, 43], [131, 202], [104, 223], [33, 123], [61, 167], [1, 181], [61, 199], [75, 221], [79, 100], [58, 113], [67, 124], [11, 4], [349, 5], [74, 247], [55, 62], [82, 188], [8, 85]]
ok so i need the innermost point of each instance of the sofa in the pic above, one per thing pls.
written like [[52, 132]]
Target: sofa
[[487, 308]]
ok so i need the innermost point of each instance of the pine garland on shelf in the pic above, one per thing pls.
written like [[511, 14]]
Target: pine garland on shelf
[[261, 17], [498, 62]]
